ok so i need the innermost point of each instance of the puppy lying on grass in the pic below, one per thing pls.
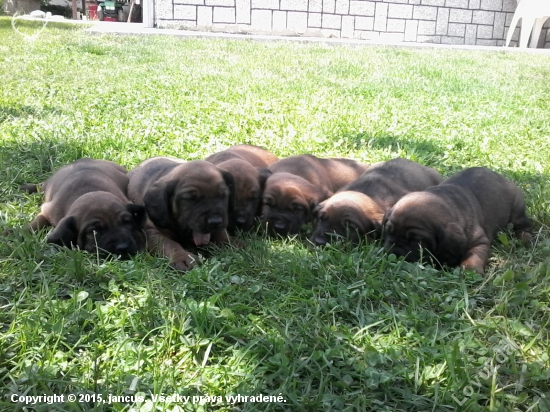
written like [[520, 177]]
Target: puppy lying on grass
[[357, 211], [86, 203], [457, 221], [298, 184]]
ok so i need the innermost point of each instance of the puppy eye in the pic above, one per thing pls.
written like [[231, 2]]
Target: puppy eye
[[190, 196], [268, 202], [127, 220], [297, 208]]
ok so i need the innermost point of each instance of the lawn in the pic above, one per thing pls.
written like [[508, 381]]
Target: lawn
[[340, 328]]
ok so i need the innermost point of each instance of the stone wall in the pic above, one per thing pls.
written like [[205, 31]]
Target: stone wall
[[470, 22]]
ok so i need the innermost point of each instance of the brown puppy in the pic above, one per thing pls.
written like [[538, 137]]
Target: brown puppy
[[298, 184], [358, 209], [86, 202], [186, 202], [255, 155], [248, 165], [457, 220]]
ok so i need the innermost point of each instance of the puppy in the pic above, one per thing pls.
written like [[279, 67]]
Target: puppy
[[358, 209], [248, 165], [298, 184], [457, 221], [254, 155], [187, 205], [86, 203]]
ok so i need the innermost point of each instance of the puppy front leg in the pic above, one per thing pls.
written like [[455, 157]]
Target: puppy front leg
[[476, 258], [39, 222], [160, 245]]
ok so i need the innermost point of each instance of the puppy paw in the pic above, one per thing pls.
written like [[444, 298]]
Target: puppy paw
[[184, 261]]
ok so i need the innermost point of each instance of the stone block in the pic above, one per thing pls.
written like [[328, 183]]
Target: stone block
[[484, 32], [182, 12], [331, 21], [460, 16], [294, 5], [364, 23], [224, 15], [509, 5], [400, 11], [442, 21], [204, 16], [498, 26], [493, 5], [380, 17], [329, 6], [342, 7], [222, 3], [395, 26], [265, 4], [242, 11], [426, 28], [471, 34], [296, 21], [348, 26], [314, 20], [456, 29], [315, 6], [425, 13], [483, 17], [279, 20], [460, 4], [361, 8], [261, 20], [164, 9], [474, 4], [432, 2], [411, 30]]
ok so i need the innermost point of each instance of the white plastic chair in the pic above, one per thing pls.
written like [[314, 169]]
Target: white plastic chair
[[533, 14]]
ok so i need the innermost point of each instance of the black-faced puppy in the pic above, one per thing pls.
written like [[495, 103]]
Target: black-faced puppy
[[457, 221], [187, 205], [298, 184], [356, 212], [86, 203], [248, 165], [254, 155]]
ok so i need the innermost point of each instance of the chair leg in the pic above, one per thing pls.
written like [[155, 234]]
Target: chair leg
[[526, 28], [535, 34]]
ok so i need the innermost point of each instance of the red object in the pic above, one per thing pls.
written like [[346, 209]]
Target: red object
[[109, 19], [92, 11]]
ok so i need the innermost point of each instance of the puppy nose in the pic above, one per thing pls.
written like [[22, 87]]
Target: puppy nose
[[319, 240], [122, 248], [280, 225], [214, 221]]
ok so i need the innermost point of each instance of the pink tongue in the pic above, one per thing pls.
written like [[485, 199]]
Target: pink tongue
[[201, 239]]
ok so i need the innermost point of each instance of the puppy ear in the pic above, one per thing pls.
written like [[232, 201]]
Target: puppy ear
[[264, 174], [230, 182], [138, 212], [65, 233], [158, 202]]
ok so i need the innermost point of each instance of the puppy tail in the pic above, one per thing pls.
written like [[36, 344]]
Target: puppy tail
[[30, 187]]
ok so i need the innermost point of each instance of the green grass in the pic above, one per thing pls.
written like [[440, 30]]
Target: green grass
[[335, 329]]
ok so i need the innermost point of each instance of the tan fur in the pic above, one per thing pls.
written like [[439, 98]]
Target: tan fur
[[305, 177]]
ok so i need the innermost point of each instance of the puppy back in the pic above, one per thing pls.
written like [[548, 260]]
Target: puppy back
[[147, 173]]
